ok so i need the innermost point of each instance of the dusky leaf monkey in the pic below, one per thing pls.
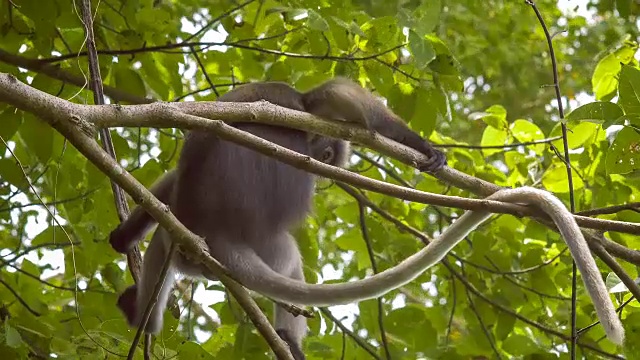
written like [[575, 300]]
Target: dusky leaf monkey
[[244, 204], [258, 197]]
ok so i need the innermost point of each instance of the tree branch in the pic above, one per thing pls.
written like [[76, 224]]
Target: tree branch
[[56, 72], [77, 131]]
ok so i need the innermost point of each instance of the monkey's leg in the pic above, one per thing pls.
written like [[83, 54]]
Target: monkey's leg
[[280, 253], [139, 222], [154, 258], [283, 256], [292, 328]]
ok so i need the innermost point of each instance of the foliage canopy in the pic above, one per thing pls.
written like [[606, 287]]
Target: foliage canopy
[[462, 72]]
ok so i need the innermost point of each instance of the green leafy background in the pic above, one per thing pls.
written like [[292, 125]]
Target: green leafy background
[[462, 72]]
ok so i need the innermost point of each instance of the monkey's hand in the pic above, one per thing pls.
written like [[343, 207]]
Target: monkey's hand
[[436, 159]]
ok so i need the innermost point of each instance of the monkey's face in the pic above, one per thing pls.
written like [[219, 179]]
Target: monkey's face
[[329, 150]]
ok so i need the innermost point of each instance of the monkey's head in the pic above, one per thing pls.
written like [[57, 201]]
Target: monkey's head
[[329, 150]]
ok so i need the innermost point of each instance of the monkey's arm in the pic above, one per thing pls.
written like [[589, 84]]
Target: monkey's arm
[[342, 99], [139, 223], [258, 276]]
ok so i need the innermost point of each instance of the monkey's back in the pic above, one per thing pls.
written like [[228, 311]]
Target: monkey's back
[[238, 190]]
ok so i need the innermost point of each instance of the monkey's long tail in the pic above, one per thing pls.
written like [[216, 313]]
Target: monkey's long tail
[[252, 272]]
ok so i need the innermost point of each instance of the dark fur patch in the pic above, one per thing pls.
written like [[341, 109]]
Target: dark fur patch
[[295, 349], [117, 242], [127, 302]]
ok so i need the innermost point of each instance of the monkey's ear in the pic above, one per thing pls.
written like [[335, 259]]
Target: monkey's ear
[[127, 302]]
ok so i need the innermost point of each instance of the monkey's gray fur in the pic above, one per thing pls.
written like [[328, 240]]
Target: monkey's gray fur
[[236, 197]]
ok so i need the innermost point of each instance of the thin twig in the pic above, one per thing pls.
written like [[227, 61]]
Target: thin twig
[[216, 19], [19, 298], [374, 267], [633, 206], [485, 331], [203, 68], [363, 344], [567, 162], [509, 146], [134, 258]]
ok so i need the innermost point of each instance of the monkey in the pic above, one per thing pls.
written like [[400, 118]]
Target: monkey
[[290, 328], [337, 99], [328, 150], [244, 204]]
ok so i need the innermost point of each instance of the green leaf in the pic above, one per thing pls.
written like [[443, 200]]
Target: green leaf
[[317, 22], [422, 50], [579, 134], [446, 65], [426, 16], [382, 31], [526, 131], [129, 80], [50, 235], [504, 326], [192, 350], [222, 337], [10, 171], [520, 345], [624, 154], [629, 90], [430, 109], [598, 112], [12, 336], [624, 7], [492, 137], [11, 121], [352, 240], [604, 79], [555, 179], [113, 276], [495, 116], [38, 138], [403, 323]]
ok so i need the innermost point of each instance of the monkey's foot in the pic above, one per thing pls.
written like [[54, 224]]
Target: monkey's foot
[[117, 243], [296, 351], [127, 302], [435, 162]]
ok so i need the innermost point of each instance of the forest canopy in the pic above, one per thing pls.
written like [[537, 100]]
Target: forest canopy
[[515, 93]]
